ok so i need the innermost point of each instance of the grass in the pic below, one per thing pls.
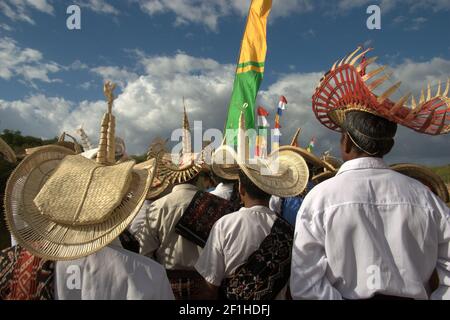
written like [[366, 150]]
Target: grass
[[444, 172]]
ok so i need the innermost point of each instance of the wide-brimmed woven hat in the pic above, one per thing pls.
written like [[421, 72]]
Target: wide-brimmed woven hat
[[223, 163], [348, 87], [426, 176], [159, 184], [309, 157], [71, 145], [7, 152], [284, 173], [62, 206]]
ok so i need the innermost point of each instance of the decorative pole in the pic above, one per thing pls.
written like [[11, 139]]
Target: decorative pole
[[106, 151]]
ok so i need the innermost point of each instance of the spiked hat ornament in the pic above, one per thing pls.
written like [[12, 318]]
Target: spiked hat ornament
[[347, 87]]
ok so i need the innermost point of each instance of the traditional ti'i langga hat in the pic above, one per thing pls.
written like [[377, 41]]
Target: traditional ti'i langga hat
[[283, 173], [347, 87], [160, 183], [71, 145], [178, 169], [7, 152], [62, 206]]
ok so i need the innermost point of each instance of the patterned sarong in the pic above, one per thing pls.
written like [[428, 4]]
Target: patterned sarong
[[186, 284], [266, 271], [24, 276], [201, 214]]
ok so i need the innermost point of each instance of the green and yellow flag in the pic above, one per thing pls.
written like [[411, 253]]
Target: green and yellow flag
[[250, 68]]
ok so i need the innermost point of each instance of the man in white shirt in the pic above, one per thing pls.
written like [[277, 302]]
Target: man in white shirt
[[370, 231], [135, 277], [156, 232], [236, 236]]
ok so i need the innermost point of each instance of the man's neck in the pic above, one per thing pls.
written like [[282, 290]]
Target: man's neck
[[255, 202]]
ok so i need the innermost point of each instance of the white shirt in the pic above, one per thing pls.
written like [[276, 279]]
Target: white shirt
[[232, 240], [275, 204], [223, 190], [370, 229], [112, 273], [154, 228]]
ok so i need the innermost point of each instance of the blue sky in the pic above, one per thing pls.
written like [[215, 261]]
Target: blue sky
[[159, 51]]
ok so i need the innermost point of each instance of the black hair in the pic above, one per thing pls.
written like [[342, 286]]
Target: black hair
[[369, 133], [253, 191]]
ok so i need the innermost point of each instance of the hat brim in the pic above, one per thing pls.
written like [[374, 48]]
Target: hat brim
[[178, 174], [7, 151], [220, 165], [56, 241], [309, 157], [425, 176], [291, 180], [159, 184]]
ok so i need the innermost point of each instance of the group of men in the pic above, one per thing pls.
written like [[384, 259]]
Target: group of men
[[214, 232]]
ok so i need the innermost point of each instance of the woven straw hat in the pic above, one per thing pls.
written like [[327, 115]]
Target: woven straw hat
[[219, 165], [426, 176], [71, 145], [62, 206], [309, 157], [159, 184], [7, 152], [284, 173]]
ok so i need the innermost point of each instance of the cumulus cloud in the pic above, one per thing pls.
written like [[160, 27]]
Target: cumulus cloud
[[121, 76], [20, 10], [210, 12], [99, 6], [150, 105], [25, 63]]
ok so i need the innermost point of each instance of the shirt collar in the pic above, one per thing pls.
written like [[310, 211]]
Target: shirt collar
[[184, 186], [363, 163], [258, 209]]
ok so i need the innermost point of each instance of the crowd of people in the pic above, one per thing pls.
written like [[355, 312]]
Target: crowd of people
[[93, 224]]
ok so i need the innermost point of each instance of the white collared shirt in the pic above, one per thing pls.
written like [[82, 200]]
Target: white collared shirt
[[223, 190], [233, 238], [370, 229], [154, 228], [112, 273]]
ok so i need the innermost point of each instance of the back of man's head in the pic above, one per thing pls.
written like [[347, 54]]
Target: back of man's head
[[251, 189], [369, 133]]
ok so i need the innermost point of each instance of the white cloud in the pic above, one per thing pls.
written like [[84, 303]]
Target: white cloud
[[99, 6], [210, 12], [6, 27], [25, 63], [121, 76], [150, 105], [19, 10], [409, 24]]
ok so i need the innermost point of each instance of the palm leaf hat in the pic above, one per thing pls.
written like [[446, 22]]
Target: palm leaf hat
[[63, 206]]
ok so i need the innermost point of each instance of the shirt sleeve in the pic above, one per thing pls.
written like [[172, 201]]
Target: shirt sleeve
[[309, 260], [443, 262], [148, 232], [211, 263]]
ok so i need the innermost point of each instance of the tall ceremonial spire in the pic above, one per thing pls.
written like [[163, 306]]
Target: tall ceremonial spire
[[186, 132]]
